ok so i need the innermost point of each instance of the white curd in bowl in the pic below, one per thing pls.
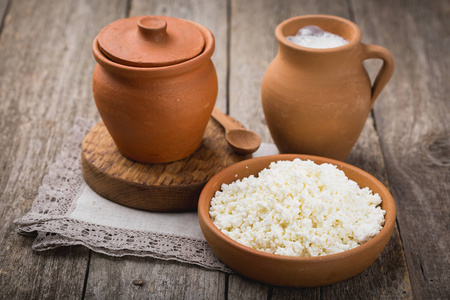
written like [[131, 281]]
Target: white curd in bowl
[[298, 208]]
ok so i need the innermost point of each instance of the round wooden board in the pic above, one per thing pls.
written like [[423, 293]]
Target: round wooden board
[[173, 186]]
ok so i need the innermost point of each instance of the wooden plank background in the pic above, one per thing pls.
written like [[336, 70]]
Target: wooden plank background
[[46, 69], [413, 122]]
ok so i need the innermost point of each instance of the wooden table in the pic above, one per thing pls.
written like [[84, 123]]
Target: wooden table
[[46, 69]]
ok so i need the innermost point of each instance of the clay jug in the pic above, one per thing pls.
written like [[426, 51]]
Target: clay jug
[[316, 101], [155, 86]]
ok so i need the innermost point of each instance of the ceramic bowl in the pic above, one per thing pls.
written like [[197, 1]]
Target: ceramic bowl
[[289, 270]]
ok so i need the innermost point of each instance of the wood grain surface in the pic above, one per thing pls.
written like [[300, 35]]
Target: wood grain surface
[[46, 69], [167, 187], [147, 278], [413, 122], [3, 11]]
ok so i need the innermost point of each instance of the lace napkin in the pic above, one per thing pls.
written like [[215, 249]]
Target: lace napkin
[[68, 212]]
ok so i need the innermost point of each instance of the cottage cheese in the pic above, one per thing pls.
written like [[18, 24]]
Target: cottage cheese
[[298, 208], [314, 37]]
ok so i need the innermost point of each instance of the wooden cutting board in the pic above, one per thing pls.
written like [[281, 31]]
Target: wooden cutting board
[[167, 187]]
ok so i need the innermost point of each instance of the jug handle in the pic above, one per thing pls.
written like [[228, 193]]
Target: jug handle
[[385, 73]]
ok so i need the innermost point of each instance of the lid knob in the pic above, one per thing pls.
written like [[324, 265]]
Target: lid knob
[[152, 27]]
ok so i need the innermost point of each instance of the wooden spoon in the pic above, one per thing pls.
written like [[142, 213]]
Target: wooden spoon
[[240, 139]]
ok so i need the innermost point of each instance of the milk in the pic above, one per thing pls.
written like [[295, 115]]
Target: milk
[[314, 37]]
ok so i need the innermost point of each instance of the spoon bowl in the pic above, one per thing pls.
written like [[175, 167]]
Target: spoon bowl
[[242, 140]]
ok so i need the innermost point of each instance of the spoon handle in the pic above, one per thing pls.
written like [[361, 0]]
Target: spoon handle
[[226, 121]]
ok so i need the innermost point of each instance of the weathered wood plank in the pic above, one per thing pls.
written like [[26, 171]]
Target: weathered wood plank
[[411, 116], [3, 11], [250, 55], [240, 287], [168, 280], [293, 293], [412, 119], [147, 278], [45, 73]]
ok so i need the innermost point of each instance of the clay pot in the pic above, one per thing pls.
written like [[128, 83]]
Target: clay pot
[[316, 101], [155, 86]]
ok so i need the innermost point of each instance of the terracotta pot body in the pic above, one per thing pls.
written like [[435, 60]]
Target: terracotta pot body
[[316, 101], [156, 114]]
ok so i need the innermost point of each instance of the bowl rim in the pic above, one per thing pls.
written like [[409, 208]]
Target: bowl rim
[[390, 217]]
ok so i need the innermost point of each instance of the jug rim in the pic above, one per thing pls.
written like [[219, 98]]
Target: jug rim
[[318, 20]]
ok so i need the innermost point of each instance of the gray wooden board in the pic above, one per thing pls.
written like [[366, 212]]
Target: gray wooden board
[[3, 11], [148, 278], [252, 50], [45, 82], [45, 73], [243, 288], [167, 280], [413, 121]]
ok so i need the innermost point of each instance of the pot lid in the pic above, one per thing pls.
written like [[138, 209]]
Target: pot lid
[[151, 41]]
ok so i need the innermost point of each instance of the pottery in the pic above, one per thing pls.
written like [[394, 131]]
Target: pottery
[[242, 140], [316, 101], [289, 270], [155, 86]]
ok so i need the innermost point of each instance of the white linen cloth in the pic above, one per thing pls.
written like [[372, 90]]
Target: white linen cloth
[[68, 212]]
